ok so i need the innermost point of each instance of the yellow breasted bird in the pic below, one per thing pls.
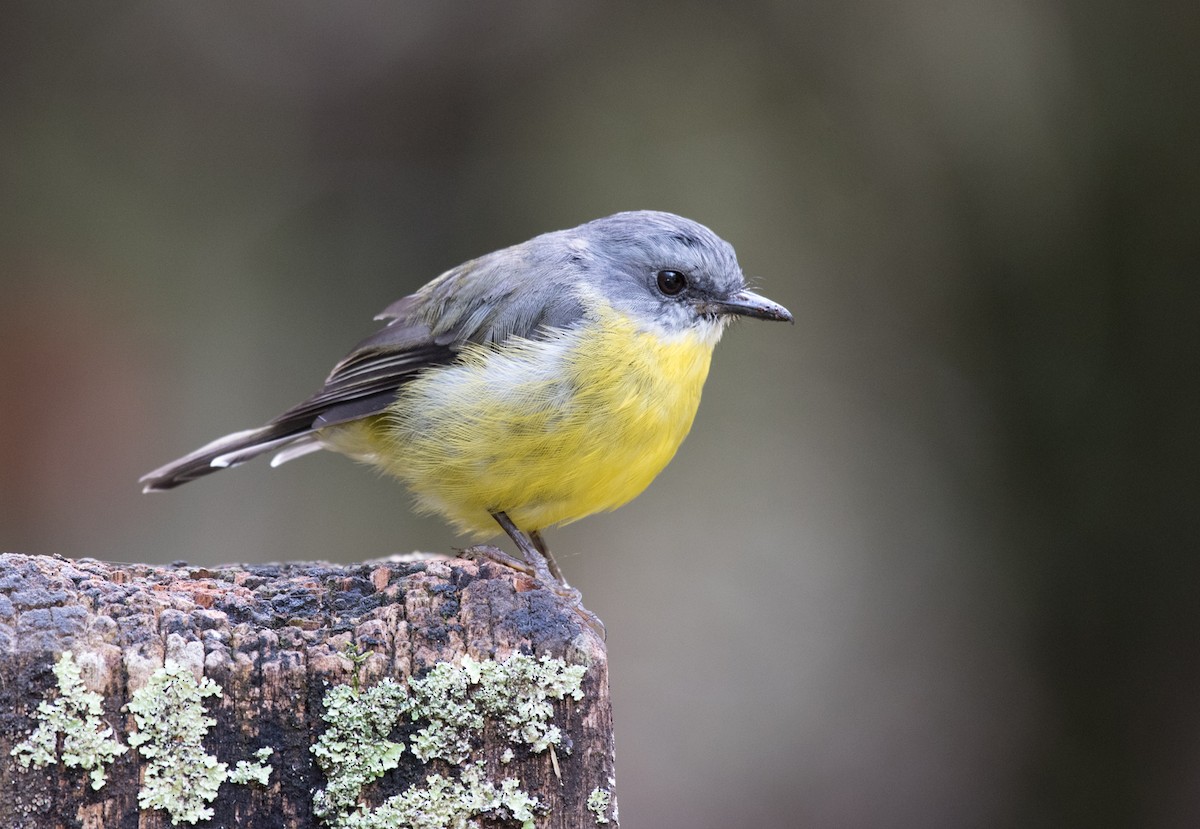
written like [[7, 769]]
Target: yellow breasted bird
[[529, 387]]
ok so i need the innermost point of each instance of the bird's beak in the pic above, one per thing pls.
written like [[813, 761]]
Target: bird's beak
[[748, 304]]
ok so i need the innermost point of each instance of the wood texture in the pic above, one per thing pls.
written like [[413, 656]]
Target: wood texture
[[272, 637]]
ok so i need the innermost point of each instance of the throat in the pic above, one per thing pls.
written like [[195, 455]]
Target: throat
[[644, 383]]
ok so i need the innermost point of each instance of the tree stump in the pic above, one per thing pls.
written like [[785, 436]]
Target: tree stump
[[428, 692]]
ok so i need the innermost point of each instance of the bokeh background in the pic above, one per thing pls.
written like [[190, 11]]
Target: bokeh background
[[929, 557]]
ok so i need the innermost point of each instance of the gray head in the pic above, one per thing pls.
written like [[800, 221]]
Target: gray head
[[666, 271]]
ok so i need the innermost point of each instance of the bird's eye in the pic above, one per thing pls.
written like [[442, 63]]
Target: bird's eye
[[671, 282]]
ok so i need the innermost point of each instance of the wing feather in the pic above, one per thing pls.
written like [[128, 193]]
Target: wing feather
[[517, 292]]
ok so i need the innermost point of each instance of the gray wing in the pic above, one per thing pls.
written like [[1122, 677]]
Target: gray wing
[[505, 294], [516, 292]]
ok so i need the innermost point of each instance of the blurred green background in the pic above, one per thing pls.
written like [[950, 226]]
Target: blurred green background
[[929, 557]]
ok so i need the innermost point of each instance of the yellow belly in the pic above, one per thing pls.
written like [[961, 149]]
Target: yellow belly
[[548, 431]]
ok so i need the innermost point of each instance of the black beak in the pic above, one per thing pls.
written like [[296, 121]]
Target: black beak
[[748, 304]]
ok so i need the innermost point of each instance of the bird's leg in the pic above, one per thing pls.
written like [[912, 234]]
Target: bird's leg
[[536, 537], [545, 572], [545, 569]]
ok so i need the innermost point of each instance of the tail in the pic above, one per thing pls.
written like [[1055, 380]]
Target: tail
[[232, 450]]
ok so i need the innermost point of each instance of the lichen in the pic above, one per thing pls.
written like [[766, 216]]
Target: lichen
[[75, 715], [355, 749], [597, 803], [442, 803], [441, 698], [181, 777], [456, 699], [258, 772], [168, 710], [454, 702], [519, 691]]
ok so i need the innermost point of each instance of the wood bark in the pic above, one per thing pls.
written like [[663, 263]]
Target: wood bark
[[273, 638]]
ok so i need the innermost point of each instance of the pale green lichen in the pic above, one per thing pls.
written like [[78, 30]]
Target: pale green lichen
[[455, 702], [181, 777], [441, 697], [355, 750], [86, 742], [442, 803], [259, 772], [517, 691], [597, 803]]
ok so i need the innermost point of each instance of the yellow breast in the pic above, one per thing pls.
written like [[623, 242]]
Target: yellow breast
[[547, 430]]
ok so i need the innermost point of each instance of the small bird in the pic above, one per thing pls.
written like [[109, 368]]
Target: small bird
[[530, 387]]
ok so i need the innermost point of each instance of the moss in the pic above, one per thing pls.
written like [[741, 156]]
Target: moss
[[454, 702], [86, 742], [597, 803], [357, 659], [181, 777]]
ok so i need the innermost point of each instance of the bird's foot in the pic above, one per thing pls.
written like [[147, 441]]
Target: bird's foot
[[486, 552], [575, 598]]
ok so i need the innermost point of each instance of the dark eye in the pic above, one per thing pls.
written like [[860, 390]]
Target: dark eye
[[671, 282]]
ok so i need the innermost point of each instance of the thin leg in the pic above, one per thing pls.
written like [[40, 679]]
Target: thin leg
[[536, 537], [533, 556], [538, 558]]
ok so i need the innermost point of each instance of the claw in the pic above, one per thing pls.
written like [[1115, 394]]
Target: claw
[[540, 564], [486, 552], [589, 618]]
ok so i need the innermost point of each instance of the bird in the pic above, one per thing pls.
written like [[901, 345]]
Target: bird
[[526, 388]]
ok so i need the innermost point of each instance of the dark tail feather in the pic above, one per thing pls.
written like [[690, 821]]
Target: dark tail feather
[[228, 451]]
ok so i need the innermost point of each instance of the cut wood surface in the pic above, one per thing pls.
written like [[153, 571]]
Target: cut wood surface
[[468, 695]]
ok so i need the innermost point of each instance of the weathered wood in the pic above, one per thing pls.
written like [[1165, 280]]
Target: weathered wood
[[274, 640]]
